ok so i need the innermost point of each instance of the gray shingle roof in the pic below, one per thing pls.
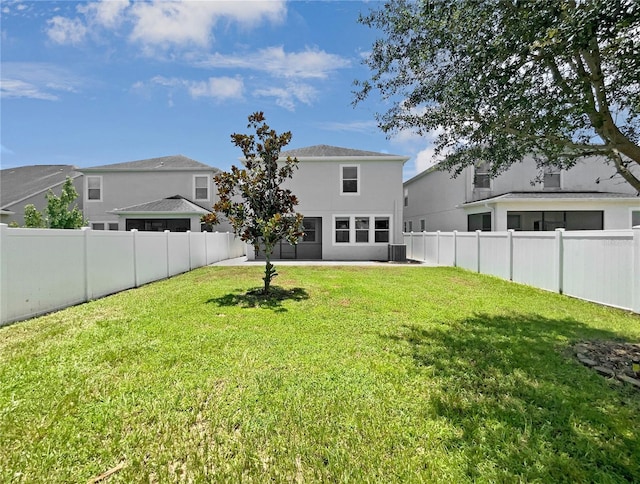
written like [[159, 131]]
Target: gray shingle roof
[[176, 204], [17, 184], [326, 151], [174, 162]]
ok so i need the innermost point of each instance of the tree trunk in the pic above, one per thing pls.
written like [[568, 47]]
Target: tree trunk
[[269, 269]]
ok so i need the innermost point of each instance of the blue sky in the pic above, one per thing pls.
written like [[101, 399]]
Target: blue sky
[[92, 83]]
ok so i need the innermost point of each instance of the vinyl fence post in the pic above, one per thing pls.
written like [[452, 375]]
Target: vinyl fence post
[[134, 239], [206, 250], [438, 247], [478, 232], [85, 262], [424, 245], [3, 273], [411, 239], [455, 248], [559, 259], [167, 232], [510, 252], [189, 242], [635, 272]]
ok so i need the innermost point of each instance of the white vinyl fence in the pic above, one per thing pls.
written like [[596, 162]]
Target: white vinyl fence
[[42, 270], [602, 266]]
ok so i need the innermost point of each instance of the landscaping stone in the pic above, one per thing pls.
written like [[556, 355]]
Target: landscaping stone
[[612, 359]]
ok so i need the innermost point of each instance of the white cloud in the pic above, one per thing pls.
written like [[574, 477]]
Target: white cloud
[[353, 126], [165, 23], [306, 64], [64, 30], [218, 88], [36, 81], [106, 13], [287, 97]]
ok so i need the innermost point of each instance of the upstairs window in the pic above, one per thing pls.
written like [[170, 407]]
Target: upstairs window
[[201, 187], [482, 176], [350, 179], [406, 197], [551, 178], [94, 188]]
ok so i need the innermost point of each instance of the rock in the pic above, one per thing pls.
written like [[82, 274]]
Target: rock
[[586, 361], [605, 371], [635, 382]]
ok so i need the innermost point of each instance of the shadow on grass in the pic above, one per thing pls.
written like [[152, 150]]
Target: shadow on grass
[[255, 298], [521, 406]]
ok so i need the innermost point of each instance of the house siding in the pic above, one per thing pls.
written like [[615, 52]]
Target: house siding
[[438, 198]]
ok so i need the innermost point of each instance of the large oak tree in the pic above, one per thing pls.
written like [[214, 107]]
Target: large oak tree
[[499, 80]]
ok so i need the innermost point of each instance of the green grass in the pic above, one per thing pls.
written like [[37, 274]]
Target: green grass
[[391, 374]]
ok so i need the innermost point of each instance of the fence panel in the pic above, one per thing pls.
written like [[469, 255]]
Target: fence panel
[[111, 259], [41, 271], [431, 247], [535, 259], [467, 250], [495, 254], [197, 249], [151, 257], [178, 253], [597, 266], [447, 249]]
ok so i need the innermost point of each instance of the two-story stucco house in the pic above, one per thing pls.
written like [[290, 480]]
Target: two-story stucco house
[[351, 201], [584, 197], [157, 194]]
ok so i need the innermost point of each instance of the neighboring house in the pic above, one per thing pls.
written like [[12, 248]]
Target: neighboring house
[[29, 185], [584, 197], [167, 193], [351, 201]]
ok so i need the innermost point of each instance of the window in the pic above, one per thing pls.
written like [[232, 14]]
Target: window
[[342, 230], [551, 177], [97, 226], [350, 180], [406, 197], [94, 188], [482, 177], [423, 225], [158, 225], [382, 229], [201, 187], [551, 220], [479, 221], [113, 226], [362, 229], [635, 218], [309, 230]]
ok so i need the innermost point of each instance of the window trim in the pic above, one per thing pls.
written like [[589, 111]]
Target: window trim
[[195, 188], [552, 170], [342, 179], [352, 229], [91, 200]]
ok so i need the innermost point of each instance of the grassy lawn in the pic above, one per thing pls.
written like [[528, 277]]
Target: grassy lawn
[[378, 374]]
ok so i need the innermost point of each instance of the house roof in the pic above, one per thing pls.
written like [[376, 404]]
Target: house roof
[[553, 196], [164, 163], [18, 184], [171, 205], [326, 152]]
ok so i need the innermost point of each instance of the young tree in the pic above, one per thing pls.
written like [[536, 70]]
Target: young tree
[[33, 218], [58, 214], [556, 79], [251, 198]]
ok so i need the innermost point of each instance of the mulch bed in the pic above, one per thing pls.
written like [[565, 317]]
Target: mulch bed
[[612, 359]]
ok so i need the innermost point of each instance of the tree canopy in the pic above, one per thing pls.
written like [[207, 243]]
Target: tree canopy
[[260, 211], [58, 214], [498, 80]]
